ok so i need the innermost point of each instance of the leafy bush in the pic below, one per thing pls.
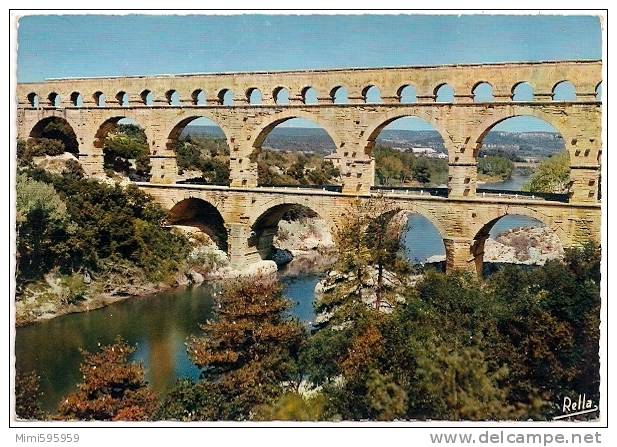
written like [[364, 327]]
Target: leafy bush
[[71, 223]]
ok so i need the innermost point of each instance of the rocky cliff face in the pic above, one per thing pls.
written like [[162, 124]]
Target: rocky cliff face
[[529, 246], [533, 246], [304, 246]]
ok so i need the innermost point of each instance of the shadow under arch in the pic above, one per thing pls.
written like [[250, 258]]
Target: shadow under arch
[[203, 215], [515, 220], [56, 128], [264, 226]]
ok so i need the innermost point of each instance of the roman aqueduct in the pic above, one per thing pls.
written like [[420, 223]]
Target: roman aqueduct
[[237, 214]]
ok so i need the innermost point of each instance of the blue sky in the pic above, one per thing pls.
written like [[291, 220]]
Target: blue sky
[[70, 46]]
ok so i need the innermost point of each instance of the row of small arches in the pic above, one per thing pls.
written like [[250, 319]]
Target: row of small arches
[[482, 92]]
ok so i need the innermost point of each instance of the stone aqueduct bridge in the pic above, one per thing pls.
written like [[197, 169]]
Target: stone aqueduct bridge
[[243, 216]]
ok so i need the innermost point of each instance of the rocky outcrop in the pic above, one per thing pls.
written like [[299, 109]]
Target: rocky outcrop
[[528, 246], [532, 246], [54, 164], [390, 282], [303, 246]]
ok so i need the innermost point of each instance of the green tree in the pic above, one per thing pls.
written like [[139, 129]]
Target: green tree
[[421, 171], [495, 166], [552, 175], [42, 225]]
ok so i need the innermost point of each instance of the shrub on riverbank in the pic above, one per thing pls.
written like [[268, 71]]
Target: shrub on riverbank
[[73, 224], [79, 241]]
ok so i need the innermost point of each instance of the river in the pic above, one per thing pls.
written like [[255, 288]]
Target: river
[[159, 325]]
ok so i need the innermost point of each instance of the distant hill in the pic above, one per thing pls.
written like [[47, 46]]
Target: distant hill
[[519, 144]]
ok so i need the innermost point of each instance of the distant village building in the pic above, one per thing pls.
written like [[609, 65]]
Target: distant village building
[[429, 152]]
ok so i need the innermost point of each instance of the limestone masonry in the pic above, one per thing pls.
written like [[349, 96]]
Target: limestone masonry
[[244, 216]]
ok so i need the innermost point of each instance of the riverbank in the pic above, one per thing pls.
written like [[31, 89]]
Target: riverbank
[[304, 247], [59, 294]]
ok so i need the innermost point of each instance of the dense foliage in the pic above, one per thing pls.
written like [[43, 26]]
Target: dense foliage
[[69, 223], [552, 175], [398, 168], [27, 396], [452, 346], [295, 168], [492, 167], [246, 354], [126, 151], [208, 156], [113, 389]]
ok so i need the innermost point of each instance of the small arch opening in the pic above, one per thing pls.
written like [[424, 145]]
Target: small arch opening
[[33, 99], [407, 94], [599, 92], [564, 91], [226, 97], [99, 99], [54, 99], [76, 99], [339, 95], [371, 95], [444, 94], [309, 95], [147, 97], [123, 99], [199, 97], [173, 98], [483, 92], [254, 96], [522, 92], [281, 96]]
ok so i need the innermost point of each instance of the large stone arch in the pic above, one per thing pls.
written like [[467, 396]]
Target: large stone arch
[[110, 122], [377, 125], [484, 127], [202, 214], [480, 229], [489, 219], [415, 208], [260, 134], [173, 130], [264, 221]]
